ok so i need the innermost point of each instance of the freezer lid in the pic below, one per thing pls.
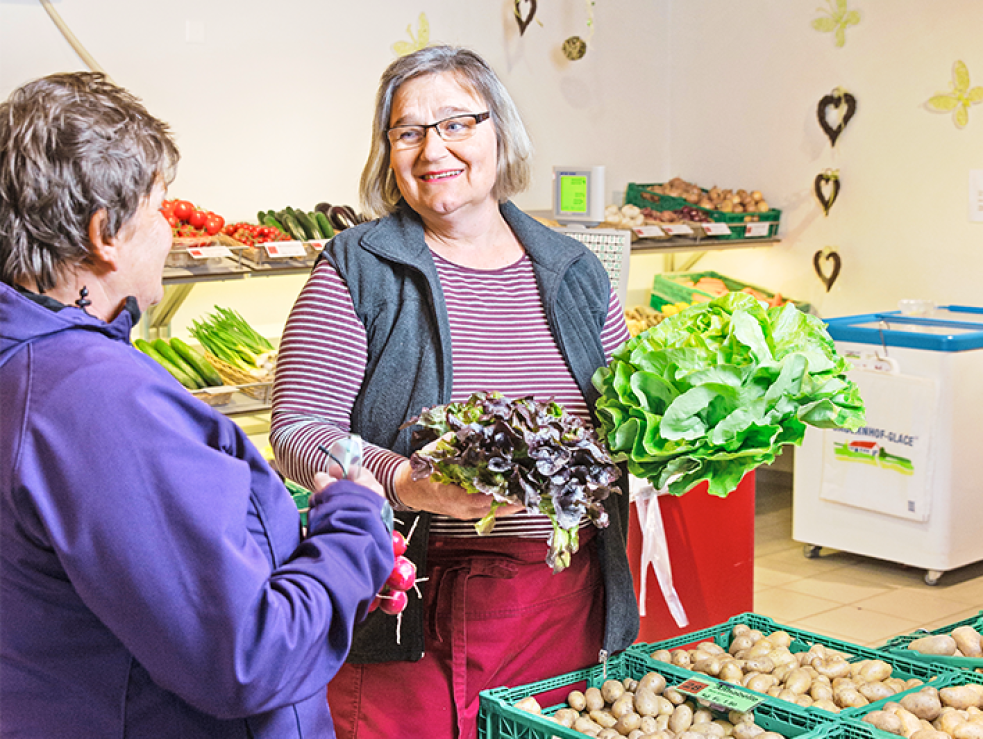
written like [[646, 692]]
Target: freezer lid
[[951, 328]]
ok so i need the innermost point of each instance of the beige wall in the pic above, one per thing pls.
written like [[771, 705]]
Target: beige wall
[[274, 107]]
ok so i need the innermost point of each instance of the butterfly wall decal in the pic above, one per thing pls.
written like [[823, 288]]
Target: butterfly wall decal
[[837, 19], [420, 41], [959, 98]]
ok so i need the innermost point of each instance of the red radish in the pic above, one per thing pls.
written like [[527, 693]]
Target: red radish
[[399, 544], [375, 603], [403, 575], [393, 603]]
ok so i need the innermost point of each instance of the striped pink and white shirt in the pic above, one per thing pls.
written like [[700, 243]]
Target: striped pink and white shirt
[[500, 340]]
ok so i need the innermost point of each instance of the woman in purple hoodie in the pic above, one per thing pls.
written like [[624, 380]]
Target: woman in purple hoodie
[[154, 577]]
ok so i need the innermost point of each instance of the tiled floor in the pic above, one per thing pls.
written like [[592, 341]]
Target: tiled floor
[[846, 596]]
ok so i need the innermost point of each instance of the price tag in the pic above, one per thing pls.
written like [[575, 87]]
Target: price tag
[[720, 696], [281, 249], [758, 228], [649, 232], [716, 229], [209, 252], [678, 229]]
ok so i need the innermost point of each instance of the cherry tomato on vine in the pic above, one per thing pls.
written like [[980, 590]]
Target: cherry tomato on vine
[[197, 218], [183, 209]]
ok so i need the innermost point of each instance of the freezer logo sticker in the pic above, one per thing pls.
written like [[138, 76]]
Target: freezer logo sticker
[[881, 434], [872, 452]]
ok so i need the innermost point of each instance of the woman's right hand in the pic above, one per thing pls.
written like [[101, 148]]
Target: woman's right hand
[[443, 499]]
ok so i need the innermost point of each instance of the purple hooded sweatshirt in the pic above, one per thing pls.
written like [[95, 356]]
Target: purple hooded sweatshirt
[[154, 580]]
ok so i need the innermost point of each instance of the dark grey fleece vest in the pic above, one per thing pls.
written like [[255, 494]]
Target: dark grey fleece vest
[[397, 296]]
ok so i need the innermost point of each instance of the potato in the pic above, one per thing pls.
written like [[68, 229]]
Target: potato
[[611, 690], [681, 719], [929, 734], [874, 670], [585, 726], [948, 720], [747, 731], [968, 730], [760, 683], [850, 698], [884, 721], [681, 658], [961, 696], [603, 718], [876, 691], [648, 725], [968, 641], [780, 638], [576, 700], [941, 645], [740, 644], [798, 681], [832, 667], [608, 733], [910, 723], [566, 717], [627, 723], [624, 704], [820, 691], [702, 716], [646, 702], [662, 655], [594, 701], [652, 681], [674, 696], [529, 704], [924, 704], [731, 672], [826, 705], [759, 664]]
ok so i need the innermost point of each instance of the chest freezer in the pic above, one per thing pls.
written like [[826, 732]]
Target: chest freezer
[[908, 486]]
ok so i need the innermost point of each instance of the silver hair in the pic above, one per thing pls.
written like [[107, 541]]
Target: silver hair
[[378, 190], [71, 145]]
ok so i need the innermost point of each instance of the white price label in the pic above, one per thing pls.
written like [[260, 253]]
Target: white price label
[[716, 229], [649, 232], [677, 229], [281, 249], [757, 229], [209, 252]]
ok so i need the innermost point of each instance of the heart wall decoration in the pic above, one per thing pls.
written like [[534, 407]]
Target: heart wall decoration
[[827, 187], [840, 103], [833, 258], [530, 13]]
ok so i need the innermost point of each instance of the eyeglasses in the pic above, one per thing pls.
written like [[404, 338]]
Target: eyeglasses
[[455, 128]]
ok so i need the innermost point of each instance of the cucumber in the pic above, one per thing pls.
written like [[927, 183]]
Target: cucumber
[[201, 365], [176, 372], [293, 228], [318, 231], [165, 350], [270, 220], [324, 223], [305, 223]]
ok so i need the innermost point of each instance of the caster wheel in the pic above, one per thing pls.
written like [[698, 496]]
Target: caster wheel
[[811, 551], [932, 577]]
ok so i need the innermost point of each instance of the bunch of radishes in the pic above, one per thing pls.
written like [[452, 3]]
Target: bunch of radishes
[[393, 599]]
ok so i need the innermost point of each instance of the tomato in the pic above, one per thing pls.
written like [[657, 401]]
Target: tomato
[[197, 218], [213, 224], [183, 209], [172, 220]]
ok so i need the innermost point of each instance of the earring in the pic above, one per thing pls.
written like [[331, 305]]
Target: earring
[[83, 302]]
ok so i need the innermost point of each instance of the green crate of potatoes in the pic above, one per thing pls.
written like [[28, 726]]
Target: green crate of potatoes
[[685, 287], [900, 645], [500, 718], [905, 674]]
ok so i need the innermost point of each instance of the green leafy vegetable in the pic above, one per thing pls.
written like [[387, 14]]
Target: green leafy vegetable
[[716, 390], [519, 451], [228, 336]]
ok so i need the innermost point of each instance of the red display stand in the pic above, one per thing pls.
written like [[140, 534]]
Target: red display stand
[[711, 550]]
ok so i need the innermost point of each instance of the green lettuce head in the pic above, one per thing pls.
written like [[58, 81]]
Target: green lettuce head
[[716, 390]]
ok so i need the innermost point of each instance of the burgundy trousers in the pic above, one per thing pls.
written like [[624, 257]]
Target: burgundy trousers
[[496, 615]]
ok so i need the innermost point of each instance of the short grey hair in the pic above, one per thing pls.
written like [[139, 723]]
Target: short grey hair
[[72, 144], [378, 190]]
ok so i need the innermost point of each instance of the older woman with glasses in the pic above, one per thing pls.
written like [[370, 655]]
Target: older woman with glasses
[[154, 576], [451, 290]]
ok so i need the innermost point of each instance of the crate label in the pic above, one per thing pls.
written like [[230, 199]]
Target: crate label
[[286, 249], [716, 229], [721, 696], [677, 229], [759, 228], [209, 252], [649, 232]]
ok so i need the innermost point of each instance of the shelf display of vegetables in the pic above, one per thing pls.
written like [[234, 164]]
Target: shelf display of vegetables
[[227, 336], [186, 365], [520, 451], [717, 389]]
